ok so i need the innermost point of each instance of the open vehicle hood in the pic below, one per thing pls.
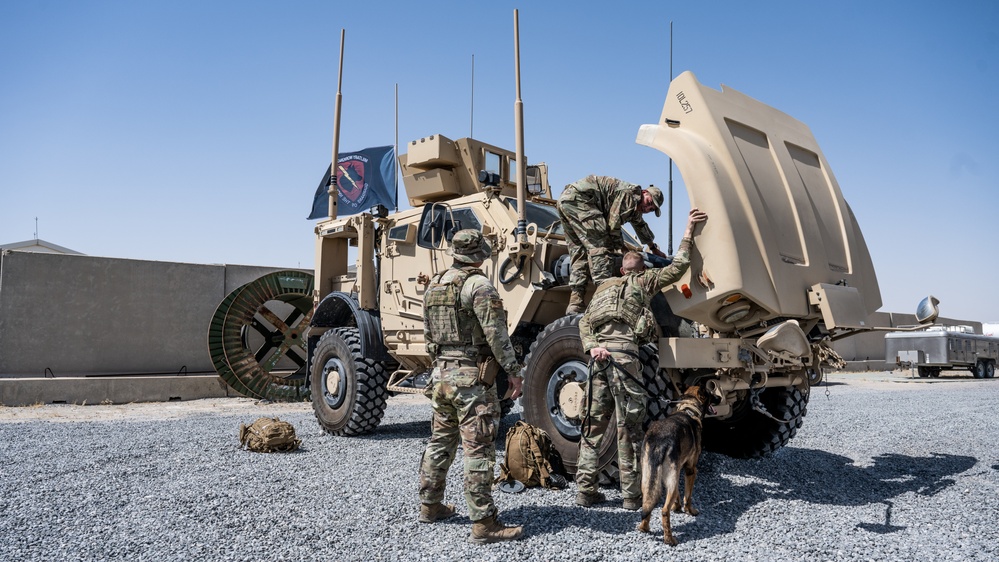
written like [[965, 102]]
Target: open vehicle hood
[[778, 225]]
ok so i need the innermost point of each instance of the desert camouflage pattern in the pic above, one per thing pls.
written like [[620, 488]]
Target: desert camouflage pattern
[[464, 410], [615, 386], [592, 211]]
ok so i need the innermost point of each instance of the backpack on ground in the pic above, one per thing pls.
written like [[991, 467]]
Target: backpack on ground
[[531, 458], [267, 435]]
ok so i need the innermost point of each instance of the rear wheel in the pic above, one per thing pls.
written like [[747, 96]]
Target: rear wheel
[[924, 372], [990, 370], [981, 369], [556, 371], [657, 385], [348, 389], [750, 434]]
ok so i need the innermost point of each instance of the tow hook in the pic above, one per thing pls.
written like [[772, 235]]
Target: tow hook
[[757, 405]]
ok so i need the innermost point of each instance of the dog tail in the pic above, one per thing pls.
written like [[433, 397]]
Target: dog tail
[[652, 475]]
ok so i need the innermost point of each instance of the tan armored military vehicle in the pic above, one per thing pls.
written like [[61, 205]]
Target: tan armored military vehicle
[[779, 269]]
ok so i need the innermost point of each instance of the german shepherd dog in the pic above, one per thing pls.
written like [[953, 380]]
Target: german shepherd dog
[[671, 444]]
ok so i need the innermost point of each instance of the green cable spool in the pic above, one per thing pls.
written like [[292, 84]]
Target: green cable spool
[[258, 330]]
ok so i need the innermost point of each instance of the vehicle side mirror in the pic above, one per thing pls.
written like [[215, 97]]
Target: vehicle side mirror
[[927, 310]]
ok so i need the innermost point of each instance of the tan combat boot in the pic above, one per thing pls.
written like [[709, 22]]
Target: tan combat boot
[[430, 512], [485, 531]]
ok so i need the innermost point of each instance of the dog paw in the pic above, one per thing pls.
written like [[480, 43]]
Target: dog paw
[[643, 527], [692, 510], [670, 540]]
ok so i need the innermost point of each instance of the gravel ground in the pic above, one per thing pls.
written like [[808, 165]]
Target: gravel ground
[[884, 468]]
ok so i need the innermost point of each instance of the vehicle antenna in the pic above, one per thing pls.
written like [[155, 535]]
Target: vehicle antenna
[[669, 250], [395, 179], [471, 116], [332, 190]]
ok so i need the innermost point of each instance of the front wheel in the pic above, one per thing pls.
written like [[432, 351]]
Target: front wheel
[[556, 370], [348, 389]]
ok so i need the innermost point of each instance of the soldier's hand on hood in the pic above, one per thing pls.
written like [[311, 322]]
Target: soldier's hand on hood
[[695, 216]]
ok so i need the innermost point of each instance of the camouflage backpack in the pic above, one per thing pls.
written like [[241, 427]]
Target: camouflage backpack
[[267, 435], [531, 458]]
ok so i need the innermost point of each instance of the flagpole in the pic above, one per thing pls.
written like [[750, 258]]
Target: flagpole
[[332, 191]]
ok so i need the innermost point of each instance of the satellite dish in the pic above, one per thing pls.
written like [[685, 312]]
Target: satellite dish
[[927, 310]]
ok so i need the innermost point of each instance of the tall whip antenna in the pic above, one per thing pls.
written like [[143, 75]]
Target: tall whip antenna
[[396, 152], [332, 190], [471, 116], [670, 249]]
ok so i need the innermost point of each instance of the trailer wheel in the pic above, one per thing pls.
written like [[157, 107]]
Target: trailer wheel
[[924, 372], [749, 434], [348, 389], [555, 369], [980, 369], [990, 370]]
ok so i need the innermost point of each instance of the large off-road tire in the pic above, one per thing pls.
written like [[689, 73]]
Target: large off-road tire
[[348, 389], [749, 434], [555, 360], [658, 388]]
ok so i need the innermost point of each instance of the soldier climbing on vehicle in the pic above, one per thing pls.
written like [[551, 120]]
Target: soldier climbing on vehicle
[[592, 211]]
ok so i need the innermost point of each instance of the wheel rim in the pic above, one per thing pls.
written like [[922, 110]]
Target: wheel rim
[[572, 371], [334, 390]]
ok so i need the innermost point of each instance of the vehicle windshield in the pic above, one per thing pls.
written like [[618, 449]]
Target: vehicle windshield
[[546, 217]]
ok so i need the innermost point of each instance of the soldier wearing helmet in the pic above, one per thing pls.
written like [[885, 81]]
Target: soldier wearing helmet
[[464, 325], [616, 323], [593, 210]]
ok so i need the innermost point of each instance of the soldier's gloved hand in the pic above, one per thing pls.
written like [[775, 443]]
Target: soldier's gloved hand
[[654, 248]]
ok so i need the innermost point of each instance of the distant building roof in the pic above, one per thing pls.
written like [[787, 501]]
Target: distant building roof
[[40, 246]]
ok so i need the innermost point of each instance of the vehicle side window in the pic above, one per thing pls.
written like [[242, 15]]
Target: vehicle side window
[[439, 223]]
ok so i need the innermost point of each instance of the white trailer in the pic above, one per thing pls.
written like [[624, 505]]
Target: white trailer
[[944, 348]]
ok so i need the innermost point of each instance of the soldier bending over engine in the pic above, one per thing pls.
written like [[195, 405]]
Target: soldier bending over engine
[[592, 211]]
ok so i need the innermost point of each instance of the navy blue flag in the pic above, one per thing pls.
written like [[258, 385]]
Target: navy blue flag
[[364, 179]]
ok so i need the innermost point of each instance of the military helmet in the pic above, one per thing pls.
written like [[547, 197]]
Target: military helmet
[[468, 246], [657, 198]]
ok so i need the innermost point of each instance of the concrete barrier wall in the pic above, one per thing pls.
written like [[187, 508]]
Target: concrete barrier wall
[[81, 315]]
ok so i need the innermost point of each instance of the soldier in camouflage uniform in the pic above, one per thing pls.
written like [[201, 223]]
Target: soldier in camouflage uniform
[[466, 334], [616, 323], [593, 210]]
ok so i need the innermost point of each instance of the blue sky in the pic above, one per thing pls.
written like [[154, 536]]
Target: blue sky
[[197, 131]]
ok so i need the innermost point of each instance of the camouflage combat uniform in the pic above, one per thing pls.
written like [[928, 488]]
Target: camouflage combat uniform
[[592, 211], [460, 336], [609, 390]]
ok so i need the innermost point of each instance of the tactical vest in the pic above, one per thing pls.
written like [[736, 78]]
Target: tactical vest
[[623, 299], [448, 323]]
